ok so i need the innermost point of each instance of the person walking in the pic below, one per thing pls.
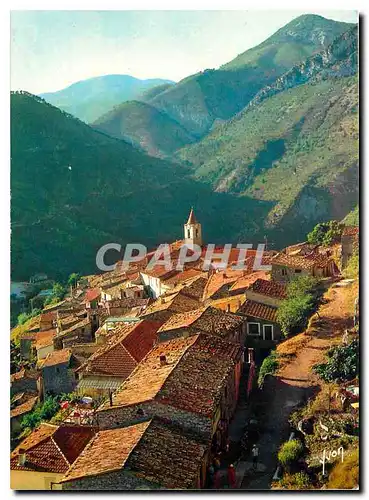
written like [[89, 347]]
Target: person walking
[[255, 456], [231, 477]]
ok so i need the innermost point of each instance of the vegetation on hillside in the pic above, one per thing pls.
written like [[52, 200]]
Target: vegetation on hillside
[[290, 452], [326, 233], [144, 126], [269, 366], [352, 218], [301, 301], [75, 189], [342, 364]]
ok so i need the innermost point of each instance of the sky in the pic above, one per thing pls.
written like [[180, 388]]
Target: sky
[[53, 49]]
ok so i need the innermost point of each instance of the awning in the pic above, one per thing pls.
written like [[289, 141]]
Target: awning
[[104, 383]]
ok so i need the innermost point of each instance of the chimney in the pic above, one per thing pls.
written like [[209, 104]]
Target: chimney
[[21, 456], [163, 360]]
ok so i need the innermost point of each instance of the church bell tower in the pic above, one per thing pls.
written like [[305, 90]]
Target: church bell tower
[[192, 231]]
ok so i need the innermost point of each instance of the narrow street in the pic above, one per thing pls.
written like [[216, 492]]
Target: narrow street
[[292, 386]]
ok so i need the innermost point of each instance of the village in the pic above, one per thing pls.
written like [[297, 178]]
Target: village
[[148, 378]]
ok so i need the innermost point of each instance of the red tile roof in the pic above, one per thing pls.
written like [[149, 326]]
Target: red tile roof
[[51, 448], [124, 349], [92, 294], [56, 358], [207, 319], [245, 281], [257, 310], [196, 383], [148, 377], [25, 407], [307, 262], [48, 316], [45, 338], [269, 288], [108, 451]]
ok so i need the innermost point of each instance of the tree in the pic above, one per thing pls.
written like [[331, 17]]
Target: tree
[[326, 233], [73, 279], [58, 294]]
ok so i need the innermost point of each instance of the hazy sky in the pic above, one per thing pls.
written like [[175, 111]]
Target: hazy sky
[[52, 49]]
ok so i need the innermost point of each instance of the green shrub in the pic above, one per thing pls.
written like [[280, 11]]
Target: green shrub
[[301, 301], [326, 233], [342, 365], [352, 268], [290, 452], [42, 411], [268, 367], [298, 481], [24, 317]]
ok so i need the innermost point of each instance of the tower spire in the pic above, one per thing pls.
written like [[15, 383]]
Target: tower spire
[[191, 217], [192, 230]]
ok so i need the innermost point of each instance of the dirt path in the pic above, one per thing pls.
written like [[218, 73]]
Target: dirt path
[[295, 382]]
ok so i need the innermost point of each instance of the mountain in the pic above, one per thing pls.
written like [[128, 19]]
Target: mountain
[[89, 99], [74, 189], [295, 144], [145, 126], [202, 101]]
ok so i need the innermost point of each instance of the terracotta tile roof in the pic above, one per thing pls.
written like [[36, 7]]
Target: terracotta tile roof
[[257, 310], [229, 304], [167, 457], [92, 294], [23, 373], [159, 271], [207, 319], [48, 315], [196, 383], [56, 358], [28, 335], [196, 288], [269, 288], [218, 280], [51, 448], [245, 281], [177, 302], [25, 407], [45, 338], [182, 320], [149, 376], [128, 303], [123, 350], [80, 324], [301, 262], [108, 451], [183, 276], [350, 231]]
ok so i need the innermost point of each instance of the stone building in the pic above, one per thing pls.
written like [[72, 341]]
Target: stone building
[[349, 244], [115, 360], [206, 319], [190, 382], [144, 456], [44, 456], [58, 374]]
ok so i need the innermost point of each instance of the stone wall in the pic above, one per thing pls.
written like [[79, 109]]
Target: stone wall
[[112, 481]]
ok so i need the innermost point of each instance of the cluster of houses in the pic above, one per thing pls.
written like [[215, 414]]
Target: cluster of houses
[[162, 355]]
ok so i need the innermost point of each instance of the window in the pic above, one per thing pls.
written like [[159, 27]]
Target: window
[[297, 271], [197, 233], [188, 233], [253, 328], [284, 272], [268, 333]]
